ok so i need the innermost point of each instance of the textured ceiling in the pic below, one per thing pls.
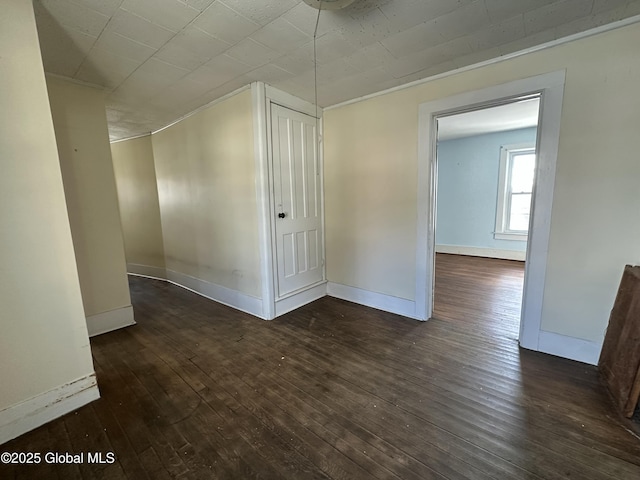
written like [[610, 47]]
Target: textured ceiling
[[520, 114], [161, 59]]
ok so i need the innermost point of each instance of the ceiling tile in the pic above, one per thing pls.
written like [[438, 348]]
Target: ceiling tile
[[372, 27], [138, 29], [369, 57], [170, 14], [125, 47], [261, 12], [268, 74], [114, 115], [63, 48], [298, 61], [133, 114], [229, 65], [305, 79], [208, 97], [215, 93], [289, 85], [303, 17], [555, 14], [281, 36], [632, 9], [360, 8], [528, 41], [165, 71], [600, 6], [333, 45], [348, 87], [477, 57], [175, 96], [199, 43], [148, 80], [503, 32], [179, 56], [106, 7], [221, 22], [414, 39], [200, 5], [234, 84], [430, 71], [409, 13], [76, 16], [463, 21], [210, 77], [63, 53], [330, 72], [591, 21], [132, 92], [118, 131], [252, 53], [103, 68], [422, 60], [502, 9]]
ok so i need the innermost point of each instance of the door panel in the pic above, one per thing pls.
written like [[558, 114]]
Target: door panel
[[297, 196]]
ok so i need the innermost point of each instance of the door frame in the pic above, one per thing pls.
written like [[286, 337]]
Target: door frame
[[263, 96], [550, 87]]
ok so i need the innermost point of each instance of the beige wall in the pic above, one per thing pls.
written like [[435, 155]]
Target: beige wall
[[371, 167], [206, 186], [80, 124], [44, 342], [139, 208]]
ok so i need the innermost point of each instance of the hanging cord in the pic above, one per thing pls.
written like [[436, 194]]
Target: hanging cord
[[315, 80]]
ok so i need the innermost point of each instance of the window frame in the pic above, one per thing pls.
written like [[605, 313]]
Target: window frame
[[507, 152]]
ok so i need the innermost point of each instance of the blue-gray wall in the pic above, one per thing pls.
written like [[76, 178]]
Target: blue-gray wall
[[468, 170]]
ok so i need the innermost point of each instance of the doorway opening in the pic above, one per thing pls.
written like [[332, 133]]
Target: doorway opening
[[485, 165], [549, 87]]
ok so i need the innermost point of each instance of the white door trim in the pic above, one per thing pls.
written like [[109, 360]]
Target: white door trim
[[263, 197], [291, 102], [550, 86], [262, 97]]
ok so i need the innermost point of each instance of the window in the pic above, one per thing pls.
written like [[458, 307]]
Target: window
[[517, 169]]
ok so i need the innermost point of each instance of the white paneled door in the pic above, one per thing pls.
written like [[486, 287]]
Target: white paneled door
[[297, 200]]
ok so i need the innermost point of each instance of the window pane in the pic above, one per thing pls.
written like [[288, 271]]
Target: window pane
[[523, 166], [519, 214]]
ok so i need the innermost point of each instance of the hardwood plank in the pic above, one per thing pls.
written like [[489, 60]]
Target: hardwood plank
[[336, 390]]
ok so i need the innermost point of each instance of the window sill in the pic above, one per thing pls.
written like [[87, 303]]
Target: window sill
[[521, 237]]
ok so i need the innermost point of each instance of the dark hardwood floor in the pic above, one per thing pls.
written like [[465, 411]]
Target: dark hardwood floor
[[197, 390], [484, 293]]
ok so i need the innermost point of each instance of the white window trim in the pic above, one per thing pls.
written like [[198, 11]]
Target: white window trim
[[510, 236], [505, 151]]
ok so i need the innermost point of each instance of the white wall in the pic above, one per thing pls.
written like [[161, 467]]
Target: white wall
[[371, 189], [139, 206], [45, 358], [205, 169], [82, 136]]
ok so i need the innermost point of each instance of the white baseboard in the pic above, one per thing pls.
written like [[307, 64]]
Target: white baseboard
[[482, 252], [227, 296], [299, 299], [36, 411], [584, 351], [388, 303], [147, 271], [109, 321]]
